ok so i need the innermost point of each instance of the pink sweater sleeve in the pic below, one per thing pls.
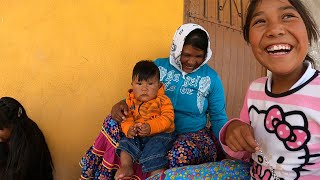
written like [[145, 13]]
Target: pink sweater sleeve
[[244, 117]]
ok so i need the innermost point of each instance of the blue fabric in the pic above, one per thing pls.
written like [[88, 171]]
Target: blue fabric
[[150, 152], [193, 96], [226, 169]]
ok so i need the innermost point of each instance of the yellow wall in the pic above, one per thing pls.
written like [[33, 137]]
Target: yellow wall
[[68, 62]]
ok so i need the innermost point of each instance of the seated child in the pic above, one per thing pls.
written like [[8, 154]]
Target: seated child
[[149, 125]]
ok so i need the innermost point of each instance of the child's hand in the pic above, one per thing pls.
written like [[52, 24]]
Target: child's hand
[[132, 132], [143, 129], [240, 137]]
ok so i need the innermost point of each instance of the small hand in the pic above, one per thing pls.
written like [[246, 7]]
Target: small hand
[[143, 129], [240, 137], [119, 111], [132, 132]]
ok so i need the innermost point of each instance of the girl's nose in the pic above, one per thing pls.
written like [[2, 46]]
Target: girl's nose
[[275, 30]]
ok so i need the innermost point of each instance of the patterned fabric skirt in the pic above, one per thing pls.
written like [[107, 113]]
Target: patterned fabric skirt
[[100, 162], [194, 148]]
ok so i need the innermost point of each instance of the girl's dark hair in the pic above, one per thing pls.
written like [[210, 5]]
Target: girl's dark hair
[[144, 70], [29, 156], [197, 39], [311, 26]]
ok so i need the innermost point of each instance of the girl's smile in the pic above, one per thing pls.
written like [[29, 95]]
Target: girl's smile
[[279, 49]]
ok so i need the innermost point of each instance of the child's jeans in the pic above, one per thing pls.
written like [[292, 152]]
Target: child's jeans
[[150, 151]]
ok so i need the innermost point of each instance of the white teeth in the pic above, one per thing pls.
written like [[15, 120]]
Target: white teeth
[[279, 47]]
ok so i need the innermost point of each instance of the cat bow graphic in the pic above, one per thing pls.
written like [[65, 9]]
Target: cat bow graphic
[[293, 137]]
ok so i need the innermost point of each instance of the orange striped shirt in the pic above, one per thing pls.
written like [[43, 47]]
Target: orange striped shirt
[[158, 113]]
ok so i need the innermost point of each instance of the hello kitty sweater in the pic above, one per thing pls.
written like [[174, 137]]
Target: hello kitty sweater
[[286, 127]]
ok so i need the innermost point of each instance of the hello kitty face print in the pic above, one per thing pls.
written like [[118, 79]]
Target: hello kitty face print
[[284, 144]]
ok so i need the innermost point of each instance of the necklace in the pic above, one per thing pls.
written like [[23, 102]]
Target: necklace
[[273, 173]]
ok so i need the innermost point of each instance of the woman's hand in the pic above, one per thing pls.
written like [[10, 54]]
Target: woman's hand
[[119, 111], [240, 137]]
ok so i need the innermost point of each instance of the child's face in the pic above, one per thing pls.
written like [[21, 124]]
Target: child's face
[[278, 37], [145, 90]]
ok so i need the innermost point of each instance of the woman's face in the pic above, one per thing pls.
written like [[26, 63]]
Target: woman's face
[[278, 37], [5, 134], [191, 58]]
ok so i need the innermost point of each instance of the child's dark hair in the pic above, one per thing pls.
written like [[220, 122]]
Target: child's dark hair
[[197, 39], [311, 26], [29, 156], [145, 69]]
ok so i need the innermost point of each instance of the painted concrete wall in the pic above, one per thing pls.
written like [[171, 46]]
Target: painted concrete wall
[[68, 62]]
